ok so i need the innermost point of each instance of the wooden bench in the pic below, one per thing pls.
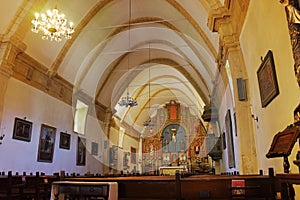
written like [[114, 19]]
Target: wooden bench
[[11, 187], [38, 186], [178, 187], [26, 187]]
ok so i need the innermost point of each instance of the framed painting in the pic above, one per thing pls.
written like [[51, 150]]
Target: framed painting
[[22, 130], [64, 140], [133, 155], [126, 160], [224, 140], [267, 80], [46, 143], [94, 150], [113, 156], [229, 137], [81, 151]]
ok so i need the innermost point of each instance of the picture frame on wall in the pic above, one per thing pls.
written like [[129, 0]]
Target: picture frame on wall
[[46, 143], [81, 151], [64, 140], [22, 130], [229, 142], [133, 155], [94, 150], [267, 80], [224, 140]]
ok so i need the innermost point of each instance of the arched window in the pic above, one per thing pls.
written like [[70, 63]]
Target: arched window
[[80, 117], [227, 67], [121, 137]]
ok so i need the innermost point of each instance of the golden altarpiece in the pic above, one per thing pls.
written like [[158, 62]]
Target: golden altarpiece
[[174, 141]]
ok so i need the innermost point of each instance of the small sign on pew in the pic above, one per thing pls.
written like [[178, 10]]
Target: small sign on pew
[[238, 187]]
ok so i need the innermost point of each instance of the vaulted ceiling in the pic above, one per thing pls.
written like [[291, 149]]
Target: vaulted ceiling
[[156, 50]]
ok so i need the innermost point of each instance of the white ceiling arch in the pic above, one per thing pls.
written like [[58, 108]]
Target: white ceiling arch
[[175, 33]]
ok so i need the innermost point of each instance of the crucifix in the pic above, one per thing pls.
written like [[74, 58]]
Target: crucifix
[[173, 132]]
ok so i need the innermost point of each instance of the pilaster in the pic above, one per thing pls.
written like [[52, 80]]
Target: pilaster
[[220, 21]]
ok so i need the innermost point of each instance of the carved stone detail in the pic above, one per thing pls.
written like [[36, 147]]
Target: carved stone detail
[[8, 52]]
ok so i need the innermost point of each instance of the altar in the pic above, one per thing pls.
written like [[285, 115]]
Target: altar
[[171, 170]]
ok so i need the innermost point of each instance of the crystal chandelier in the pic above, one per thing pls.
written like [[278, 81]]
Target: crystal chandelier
[[53, 25], [128, 101], [148, 122]]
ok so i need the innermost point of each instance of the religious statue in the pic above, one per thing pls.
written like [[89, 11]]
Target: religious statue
[[166, 145], [293, 17], [173, 132]]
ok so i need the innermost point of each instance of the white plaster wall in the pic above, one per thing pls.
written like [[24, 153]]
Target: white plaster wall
[[266, 28], [22, 101], [227, 103], [128, 142]]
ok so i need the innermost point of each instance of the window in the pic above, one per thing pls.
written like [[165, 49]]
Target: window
[[121, 137], [227, 67], [80, 117]]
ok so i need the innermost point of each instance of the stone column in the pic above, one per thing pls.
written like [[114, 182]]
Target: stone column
[[221, 22]]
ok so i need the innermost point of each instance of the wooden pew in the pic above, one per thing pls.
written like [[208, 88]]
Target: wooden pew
[[37, 186], [26, 187], [11, 187], [140, 187], [221, 187], [256, 187]]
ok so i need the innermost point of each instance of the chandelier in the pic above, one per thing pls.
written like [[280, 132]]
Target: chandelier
[[128, 101], [53, 25], [148, 122]]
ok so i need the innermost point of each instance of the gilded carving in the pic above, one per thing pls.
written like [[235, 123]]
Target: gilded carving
[[293, 16]]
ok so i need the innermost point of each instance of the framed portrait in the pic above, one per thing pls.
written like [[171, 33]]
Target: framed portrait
[[267, 80], [94, 150], [224, 140], [46, 143], [64, 140], [81, 151], [22, 130], [126, 157], [113, 156], [133, 155], [229, 142]]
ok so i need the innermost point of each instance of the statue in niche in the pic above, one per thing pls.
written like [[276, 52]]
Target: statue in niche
[[166, 145], [173, 132], [293, 17]]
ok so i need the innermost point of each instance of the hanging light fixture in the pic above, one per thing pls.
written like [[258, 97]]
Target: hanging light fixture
[[128, 101], [53, 25], [149, 123]]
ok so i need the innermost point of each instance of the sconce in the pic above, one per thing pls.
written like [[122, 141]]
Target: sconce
[[252, 114], [2, 135]]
